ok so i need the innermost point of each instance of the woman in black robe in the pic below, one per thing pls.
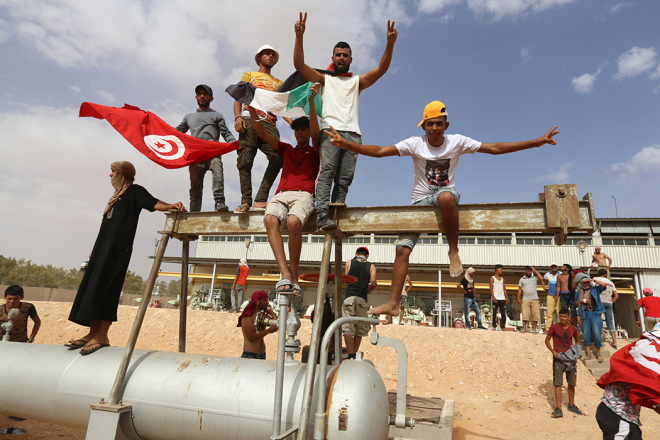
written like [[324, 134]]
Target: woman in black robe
[[97, 299]]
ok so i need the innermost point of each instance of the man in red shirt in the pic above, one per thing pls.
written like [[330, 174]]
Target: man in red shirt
[[651, 306], [294, 200], [561, 334], [240, 283]]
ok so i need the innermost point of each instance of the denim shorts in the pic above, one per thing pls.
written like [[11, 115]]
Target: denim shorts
[[410, 240]]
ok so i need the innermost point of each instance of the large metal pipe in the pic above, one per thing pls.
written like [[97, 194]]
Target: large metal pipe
[[283, 303], [183, 304], [315, 338], [113, 399], [638, 290], [176, 396], [338, 298]]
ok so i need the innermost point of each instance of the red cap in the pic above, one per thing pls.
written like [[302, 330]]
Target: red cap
[[647, 291], [363, 247]]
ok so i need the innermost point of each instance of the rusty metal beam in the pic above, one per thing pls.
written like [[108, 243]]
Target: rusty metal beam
[[487, 217]]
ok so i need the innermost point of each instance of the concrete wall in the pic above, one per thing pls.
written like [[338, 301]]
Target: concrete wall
[[46, 294]]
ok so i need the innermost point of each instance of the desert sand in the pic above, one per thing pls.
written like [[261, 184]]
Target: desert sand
[[501, 381]]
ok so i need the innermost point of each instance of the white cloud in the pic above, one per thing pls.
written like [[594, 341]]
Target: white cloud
[[635, 61], [106, 96], [75, 89], [648, 159], [656, 74], [613, 9], [557, 174], [496, 9], [585, 83], [525, 54]]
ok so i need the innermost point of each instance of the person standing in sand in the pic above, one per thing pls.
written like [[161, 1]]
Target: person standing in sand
[[404, 298], [601, 260], [254, 346], [428, 152], [97, 299]]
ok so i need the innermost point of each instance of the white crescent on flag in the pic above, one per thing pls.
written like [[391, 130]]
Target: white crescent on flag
[[166, 147]]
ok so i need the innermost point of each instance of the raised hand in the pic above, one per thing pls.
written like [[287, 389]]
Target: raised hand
[[392, 33], [548, 137], [300, 24], [335, 138], [314, 89]]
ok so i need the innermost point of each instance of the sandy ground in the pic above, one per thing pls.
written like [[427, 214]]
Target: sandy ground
[[501, 381]]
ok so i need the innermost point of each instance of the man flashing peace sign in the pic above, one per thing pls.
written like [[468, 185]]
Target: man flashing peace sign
[[341, 93]]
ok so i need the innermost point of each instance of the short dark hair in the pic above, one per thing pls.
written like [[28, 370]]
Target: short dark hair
[[363, 252], [602, 271], [499, 266], [14, 290], [342, 45], [302, 122], [528, 267], [563, 311]]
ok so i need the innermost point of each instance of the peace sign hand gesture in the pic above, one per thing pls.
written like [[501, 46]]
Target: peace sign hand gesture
[[300, 24], [548, 137], [391, 33]]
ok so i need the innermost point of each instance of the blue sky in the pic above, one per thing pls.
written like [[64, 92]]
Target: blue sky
[[507, 70]]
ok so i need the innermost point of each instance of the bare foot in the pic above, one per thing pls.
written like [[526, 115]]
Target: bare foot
[[600, 359], [391, 309], [588, 358], [455, 265], [259, 205]]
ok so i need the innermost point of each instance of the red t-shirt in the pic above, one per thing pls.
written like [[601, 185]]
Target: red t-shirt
[[562, 338], [242, 272], [651, 306], [299, 169]]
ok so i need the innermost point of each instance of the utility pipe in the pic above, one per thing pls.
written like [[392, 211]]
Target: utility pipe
[[338, 298], [315, 339], [137, 324], [183, 304], [283, 302], [215, 265], [638, 291], [319, 424]]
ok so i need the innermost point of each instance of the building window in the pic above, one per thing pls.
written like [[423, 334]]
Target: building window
[[625, 241], [535, 241], [214, 238], [385, 240], [237, 238], [574, 241], [427, 240], [261, 239], [358, 240], [318, 239], [493, 241]]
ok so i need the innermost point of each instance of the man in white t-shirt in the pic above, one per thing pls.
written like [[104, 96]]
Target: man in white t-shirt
[[429, 152], [552, 299], [341, 96]]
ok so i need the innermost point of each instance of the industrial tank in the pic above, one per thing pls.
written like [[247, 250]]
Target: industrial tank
[[186, 396]]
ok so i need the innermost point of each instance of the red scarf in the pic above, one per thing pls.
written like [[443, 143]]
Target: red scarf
[[252, 305], [331, 68]]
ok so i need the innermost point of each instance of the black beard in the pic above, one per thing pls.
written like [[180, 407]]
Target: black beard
[[344, 70]]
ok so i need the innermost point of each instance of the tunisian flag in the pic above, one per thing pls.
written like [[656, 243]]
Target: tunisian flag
[[154, 138], [637, 364]]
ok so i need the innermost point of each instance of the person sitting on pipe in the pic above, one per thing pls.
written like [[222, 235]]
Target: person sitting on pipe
[[253, 341]]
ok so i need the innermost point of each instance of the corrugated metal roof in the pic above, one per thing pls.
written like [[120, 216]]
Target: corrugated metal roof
[[625, 257]]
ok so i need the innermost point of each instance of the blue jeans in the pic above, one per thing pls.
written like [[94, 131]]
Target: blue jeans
[[592, 324], [609, 317], [567, 301], [197, 173], [251, 355], [470, 303]]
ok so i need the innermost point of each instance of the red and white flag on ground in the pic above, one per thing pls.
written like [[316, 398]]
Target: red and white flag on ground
[[637, 364], [154, 138]]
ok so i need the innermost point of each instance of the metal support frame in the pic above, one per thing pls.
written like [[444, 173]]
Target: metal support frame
[[637, 279], [315, 339], [319, 424], [338, 299], [183, 304], [283, 303]]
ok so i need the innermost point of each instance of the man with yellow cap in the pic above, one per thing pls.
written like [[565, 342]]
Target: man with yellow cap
[[435, 158], [248, 140], [97, 299]]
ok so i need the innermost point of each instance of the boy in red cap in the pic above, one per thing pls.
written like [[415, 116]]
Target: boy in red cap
[[429, 152], [651, 306]]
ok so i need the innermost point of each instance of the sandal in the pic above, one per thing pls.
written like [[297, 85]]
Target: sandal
[[284, 282], [297, 291], [245, 207], [73, 344], [99, 345]]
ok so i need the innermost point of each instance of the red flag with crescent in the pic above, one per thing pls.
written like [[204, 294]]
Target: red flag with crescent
[[638, 364], [154, 138]]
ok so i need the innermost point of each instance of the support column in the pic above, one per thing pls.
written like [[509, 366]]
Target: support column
[[338, 297], [137, 324], [315, 340], [215, 265], [183, 302], [440, 312]]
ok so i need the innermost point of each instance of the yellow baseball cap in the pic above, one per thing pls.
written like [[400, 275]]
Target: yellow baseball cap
[[433, 110]]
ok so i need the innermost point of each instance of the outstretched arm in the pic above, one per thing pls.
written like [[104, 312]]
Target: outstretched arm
[[261, 131], [162, 206], [367, 150], [299, 54], [369, 78], [314, 130], [510, 147]]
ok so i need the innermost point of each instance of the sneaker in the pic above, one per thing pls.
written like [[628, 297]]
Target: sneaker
[[221, 207], [325, 222], [481, 327], [574, 409], [469, 328], [557, 413]]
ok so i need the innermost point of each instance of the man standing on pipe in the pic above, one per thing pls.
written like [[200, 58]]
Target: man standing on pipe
[[97, 299], [253, 341]]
